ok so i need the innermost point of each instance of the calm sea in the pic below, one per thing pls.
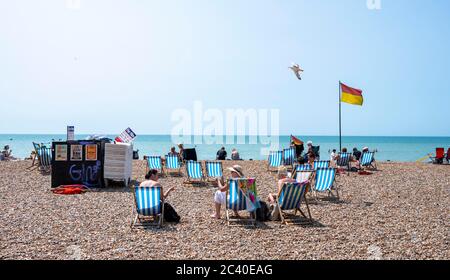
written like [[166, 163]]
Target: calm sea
[[405, 149]]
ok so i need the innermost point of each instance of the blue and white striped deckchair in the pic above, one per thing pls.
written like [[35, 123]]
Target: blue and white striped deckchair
[[194, 171], [45, 158], [173, 163], [303, 167], [289, 156], [241, 194], [149, 203], [321, 164], [290, 198], [214, 169], [324, 181], [275, 159], [368, 160], [154, 162], [344, 160], [36, 158]]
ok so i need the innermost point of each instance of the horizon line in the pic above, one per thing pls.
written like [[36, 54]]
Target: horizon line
[[236, 135]]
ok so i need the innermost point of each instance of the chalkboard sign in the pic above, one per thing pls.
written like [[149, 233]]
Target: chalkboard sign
[[78, 162]]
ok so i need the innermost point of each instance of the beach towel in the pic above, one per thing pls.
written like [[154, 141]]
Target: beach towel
[[363, 172], [70, 189]]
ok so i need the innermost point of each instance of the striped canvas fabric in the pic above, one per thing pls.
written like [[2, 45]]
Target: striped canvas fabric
[[214, 169], [288, 156], [236, 193], [324, 179], [303, 167], [154, 162], [148, 201], [291, 196], [321, 164], [172, 162], [303, 176], [194, 169], [45, 156], [275, 159], [344, 159], [367, 158]]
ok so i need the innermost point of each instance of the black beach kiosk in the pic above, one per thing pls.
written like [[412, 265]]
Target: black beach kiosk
[[78, 162]]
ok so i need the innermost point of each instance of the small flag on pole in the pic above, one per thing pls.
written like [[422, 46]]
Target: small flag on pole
[[351, 95]]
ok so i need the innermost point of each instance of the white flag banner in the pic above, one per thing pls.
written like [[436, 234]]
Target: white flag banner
[[126, 137]]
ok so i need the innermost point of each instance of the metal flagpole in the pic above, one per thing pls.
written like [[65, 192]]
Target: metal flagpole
[[340, 125]]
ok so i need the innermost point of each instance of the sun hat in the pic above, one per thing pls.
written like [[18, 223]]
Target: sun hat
[[365, 148], [309, 143], [237, 169]]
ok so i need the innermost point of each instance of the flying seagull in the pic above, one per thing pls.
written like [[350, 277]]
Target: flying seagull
[[296, 68]]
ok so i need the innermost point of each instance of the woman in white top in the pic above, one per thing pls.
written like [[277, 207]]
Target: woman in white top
[[220, 195]]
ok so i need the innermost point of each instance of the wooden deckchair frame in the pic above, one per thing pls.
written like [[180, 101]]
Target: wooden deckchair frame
[[194, 181], [171, 171], [210, 178], [372, 165], [330, 189], [147, 167], [274, 168], [295, 220]]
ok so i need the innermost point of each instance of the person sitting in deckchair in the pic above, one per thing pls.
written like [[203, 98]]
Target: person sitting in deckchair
[[151, 180], [220, 195], [282, 179]]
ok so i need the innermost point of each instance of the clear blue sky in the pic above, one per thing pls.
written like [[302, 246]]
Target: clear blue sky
[[114, 64]]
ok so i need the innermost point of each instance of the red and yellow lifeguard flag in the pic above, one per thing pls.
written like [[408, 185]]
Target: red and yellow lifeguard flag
[[351, 95], [296, 141]]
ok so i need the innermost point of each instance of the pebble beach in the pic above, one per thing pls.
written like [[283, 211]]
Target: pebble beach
[[399, 212]]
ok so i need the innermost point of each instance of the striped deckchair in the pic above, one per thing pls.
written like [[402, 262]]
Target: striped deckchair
[[173, 164], [214, 170], [194, 172], [275, 159], [240, 196], [36, 159], [149, 203], [45, 158], [289, 156], [368, 160], [324, 181], [154, 162], [303, 167], [290, 198], [344, 160], [321, 164]]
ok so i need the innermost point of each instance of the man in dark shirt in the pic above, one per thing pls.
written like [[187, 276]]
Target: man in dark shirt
[[221, 154], [356, 154]]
